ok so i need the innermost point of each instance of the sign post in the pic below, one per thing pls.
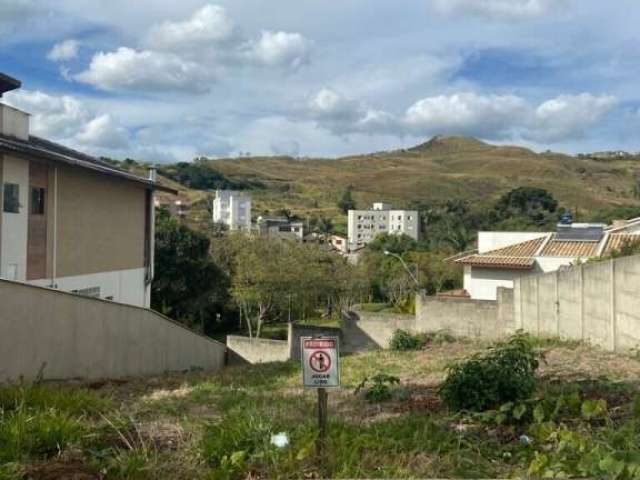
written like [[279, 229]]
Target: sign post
[[320, 370]]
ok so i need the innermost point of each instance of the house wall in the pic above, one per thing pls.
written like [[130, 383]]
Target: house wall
[[13, 245], [482, 283], [364, 225], [77, 337]]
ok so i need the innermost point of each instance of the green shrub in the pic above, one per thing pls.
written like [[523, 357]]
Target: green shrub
[[74, 401], [382, 388], [505, 373], [402, 340]]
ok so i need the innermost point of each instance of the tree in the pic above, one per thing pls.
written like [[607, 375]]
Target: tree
[[398, 244], [188, 286], [347, 202], [534, 205]]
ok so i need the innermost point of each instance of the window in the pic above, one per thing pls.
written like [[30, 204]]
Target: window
[[11, 198], [37, 200]]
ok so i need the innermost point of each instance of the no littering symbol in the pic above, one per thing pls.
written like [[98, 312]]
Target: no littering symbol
[[320, 361]]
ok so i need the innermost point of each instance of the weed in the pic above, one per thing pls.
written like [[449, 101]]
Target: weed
[[382, 388], [403, 340]]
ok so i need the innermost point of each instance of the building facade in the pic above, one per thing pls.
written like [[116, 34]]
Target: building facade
[[504, 256], [281, 228], [364, 225], [70, 221], [233, 209]]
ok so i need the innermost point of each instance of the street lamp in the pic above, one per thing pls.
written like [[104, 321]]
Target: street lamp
[[406, 267]]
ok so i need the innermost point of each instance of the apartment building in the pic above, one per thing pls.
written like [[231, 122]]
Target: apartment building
[[364, 225], [232, 208], [71, 221]]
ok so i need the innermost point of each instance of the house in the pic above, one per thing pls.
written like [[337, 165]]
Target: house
[[232, 208], [503, 256], [364, 225], [339, 243], [71, 221], [281, 228]]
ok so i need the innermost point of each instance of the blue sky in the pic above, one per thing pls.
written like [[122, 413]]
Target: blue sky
[[165, 81]]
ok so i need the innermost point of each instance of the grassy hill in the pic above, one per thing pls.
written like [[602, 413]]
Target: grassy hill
[[440, 169]]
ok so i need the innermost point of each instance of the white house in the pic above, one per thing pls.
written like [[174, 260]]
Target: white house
[[503, 256], [233, 209], [364, 225]]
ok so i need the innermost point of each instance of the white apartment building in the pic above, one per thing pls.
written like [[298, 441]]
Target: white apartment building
[[233, 209], [364, 225]]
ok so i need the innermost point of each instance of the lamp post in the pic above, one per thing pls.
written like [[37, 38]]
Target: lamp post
[[406, 267]]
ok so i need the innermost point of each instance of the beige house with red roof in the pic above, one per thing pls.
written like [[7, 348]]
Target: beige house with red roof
[[502, 257]]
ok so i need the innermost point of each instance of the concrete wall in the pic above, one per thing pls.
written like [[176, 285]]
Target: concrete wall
[[13, 250], [257, 350], [465, 317], [595, 302], [367, 330], [79, 337]]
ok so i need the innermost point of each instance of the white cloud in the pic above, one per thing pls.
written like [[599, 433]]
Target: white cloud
[[495, 117], [146, 70], [103, 132], [499, 9], [206, 27], [190, 55], [280, 49], [68, 120], [466, 113], [65, 50], [569, 116]]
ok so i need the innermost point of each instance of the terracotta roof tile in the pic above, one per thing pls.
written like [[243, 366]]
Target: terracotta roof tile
[[522, 249], [489, 261], [570, 248], [617, 241]]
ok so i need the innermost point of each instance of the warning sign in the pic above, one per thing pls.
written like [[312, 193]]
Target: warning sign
[[320, 362]]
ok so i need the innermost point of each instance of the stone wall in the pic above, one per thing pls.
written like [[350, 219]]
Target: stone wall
[[70, 336]]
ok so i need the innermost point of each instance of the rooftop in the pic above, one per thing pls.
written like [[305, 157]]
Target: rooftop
[[8, 83]]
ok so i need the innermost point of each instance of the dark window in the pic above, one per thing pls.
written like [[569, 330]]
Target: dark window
[[11, 198], [37, 200]]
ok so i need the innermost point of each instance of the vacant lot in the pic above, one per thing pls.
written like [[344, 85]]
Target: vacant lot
[[584, 418]]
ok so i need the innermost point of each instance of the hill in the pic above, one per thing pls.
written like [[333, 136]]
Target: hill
[[442, 168]]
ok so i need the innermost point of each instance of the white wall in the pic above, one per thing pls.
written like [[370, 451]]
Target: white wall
[[13, 254], [125, 286], [551, 264], [488, 241], [233, 209], [364, 225], [483, 283]]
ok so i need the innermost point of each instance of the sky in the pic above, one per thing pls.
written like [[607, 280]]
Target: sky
[[165, 81]]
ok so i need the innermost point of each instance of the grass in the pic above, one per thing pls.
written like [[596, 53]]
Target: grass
[[217, 426]]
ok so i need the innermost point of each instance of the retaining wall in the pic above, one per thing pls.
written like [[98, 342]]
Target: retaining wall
[[79, 337], [257, 350]]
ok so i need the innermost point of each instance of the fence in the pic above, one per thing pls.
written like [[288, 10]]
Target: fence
[[78, 337], [595, 302]]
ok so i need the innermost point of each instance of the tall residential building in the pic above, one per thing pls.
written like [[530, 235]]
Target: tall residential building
[[365, 225], [232, 208]]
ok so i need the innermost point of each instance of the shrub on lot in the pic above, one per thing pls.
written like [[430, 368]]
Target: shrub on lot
[[505, 373], [402, 340], [382, 388]]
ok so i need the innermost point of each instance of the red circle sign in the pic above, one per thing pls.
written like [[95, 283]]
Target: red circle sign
[[320, 361]]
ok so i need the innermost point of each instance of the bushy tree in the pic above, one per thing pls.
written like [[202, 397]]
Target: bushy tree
[[347, 202], [188, 286], [531, 205]]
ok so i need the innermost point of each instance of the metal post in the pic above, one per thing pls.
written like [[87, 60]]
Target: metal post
[[322, 421]]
